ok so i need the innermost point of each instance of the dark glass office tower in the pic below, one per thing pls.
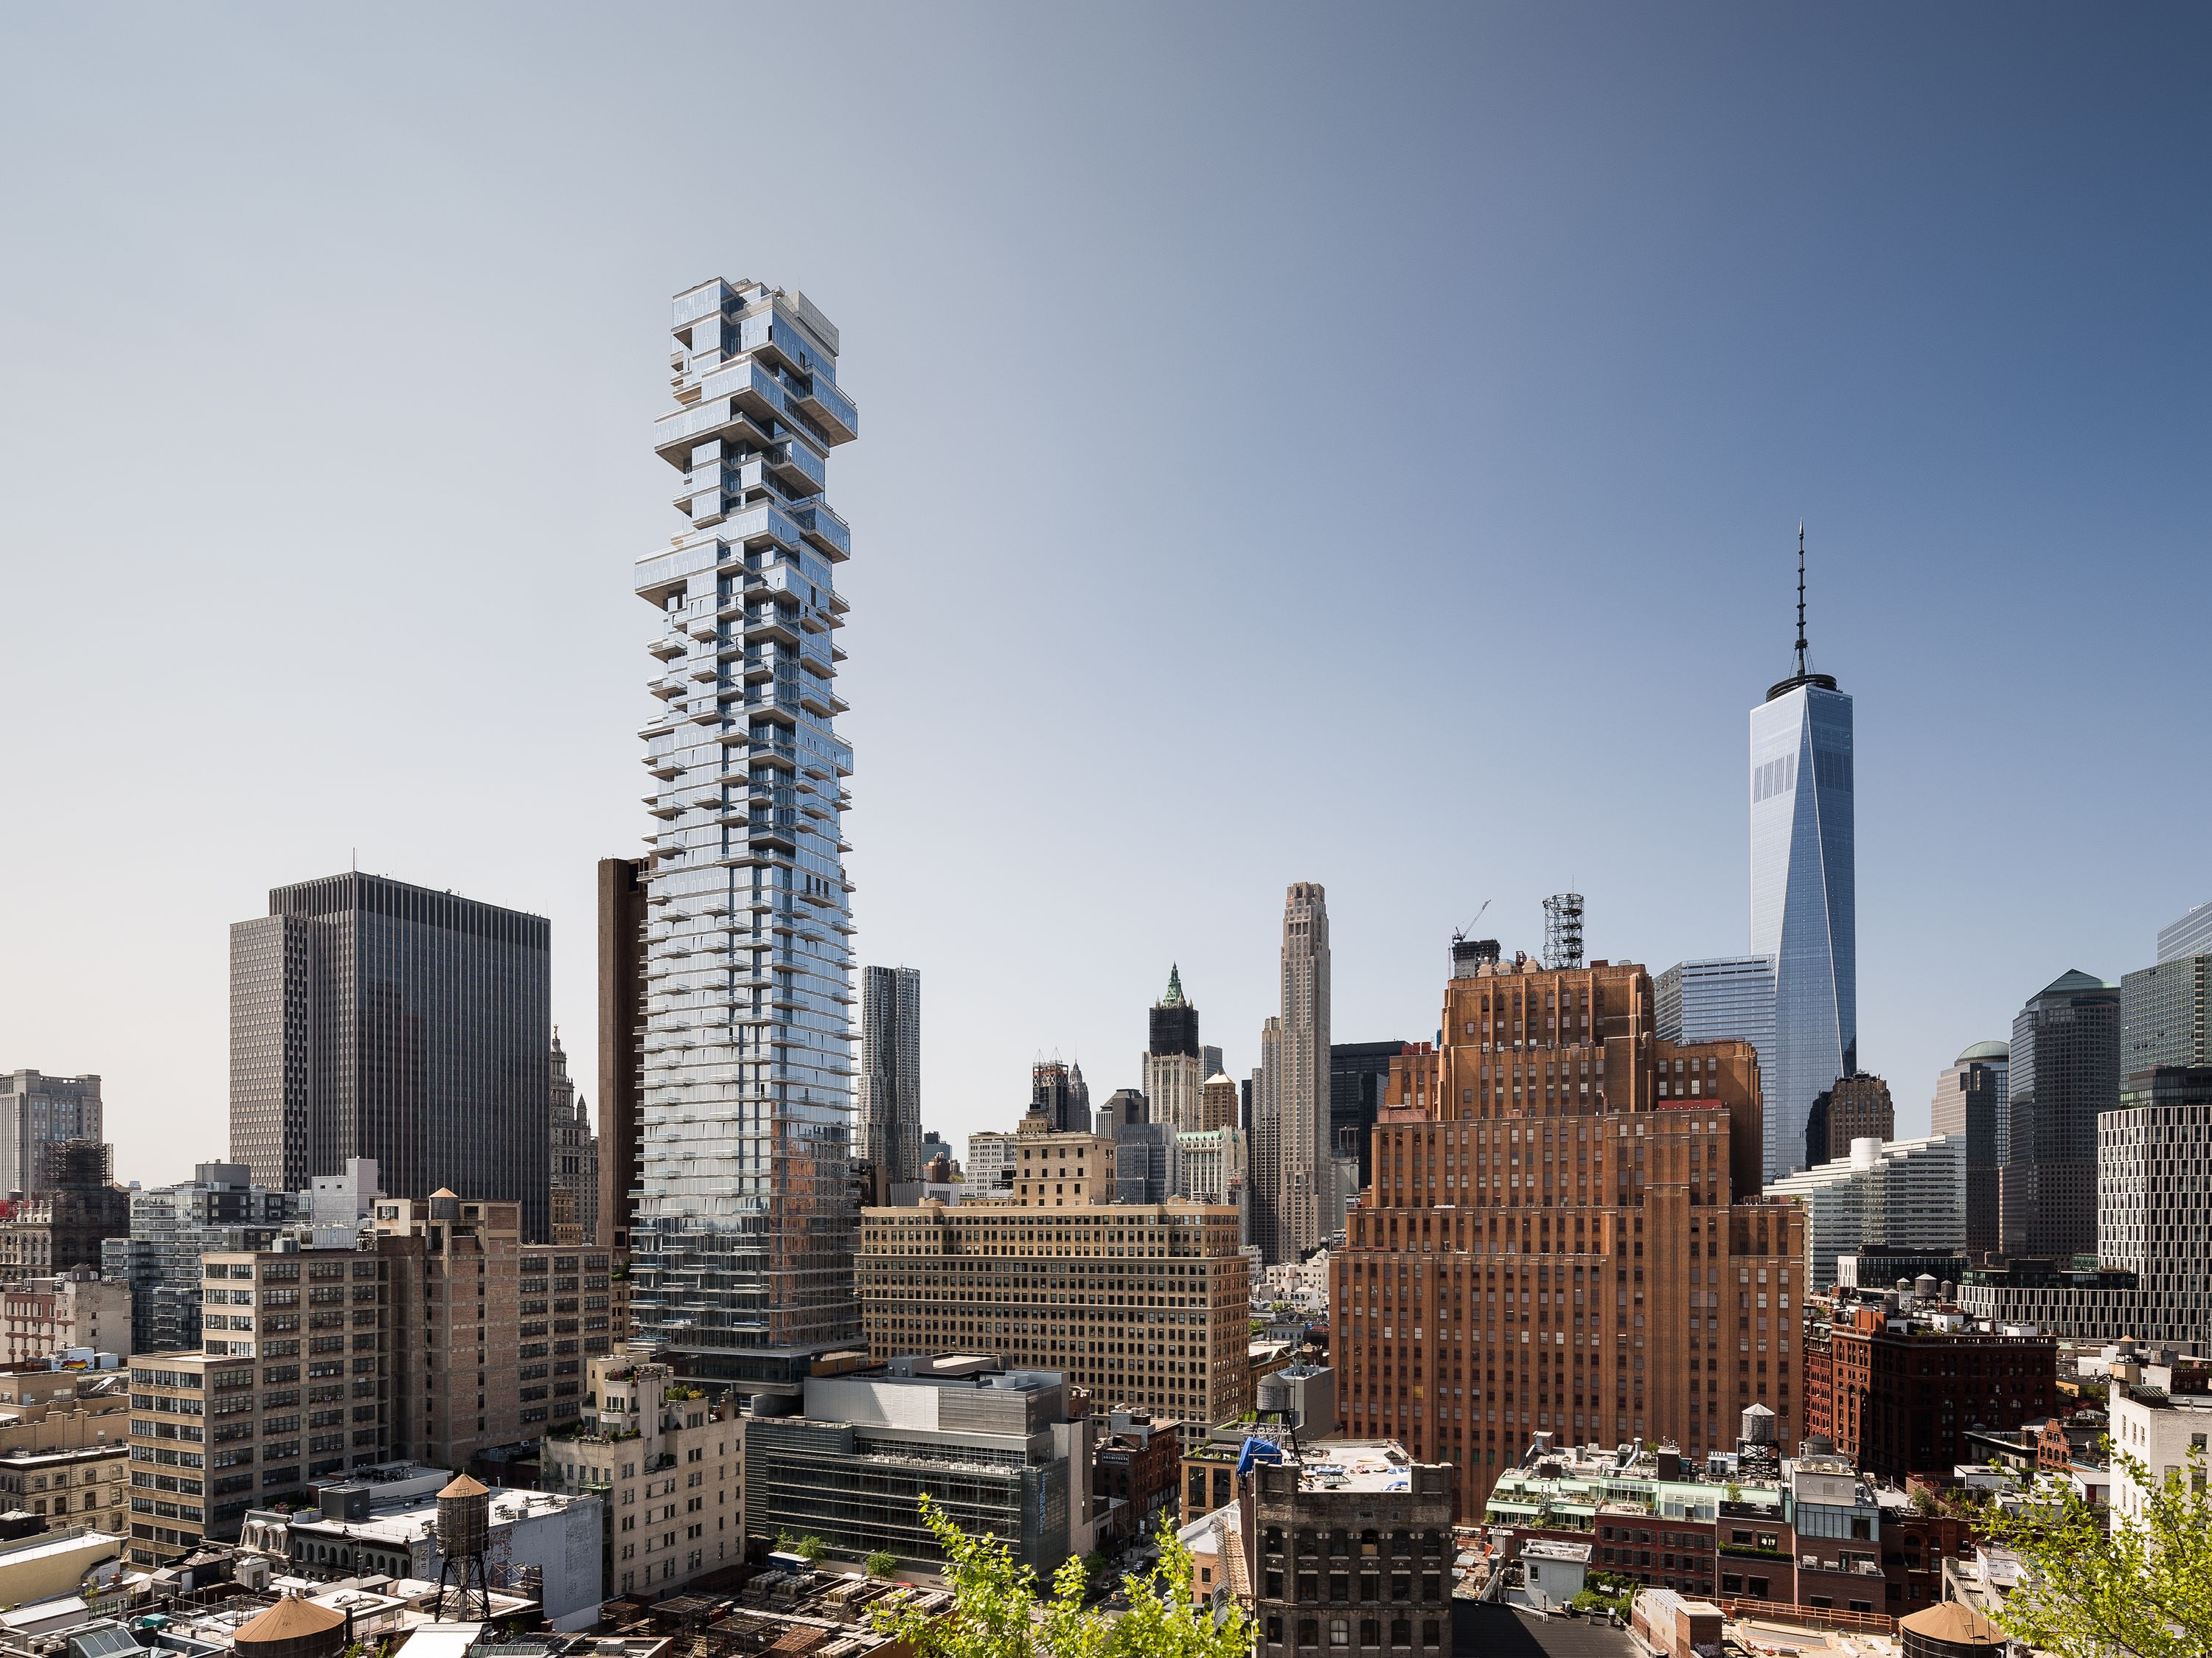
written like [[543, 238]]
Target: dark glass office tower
[[2064, 1072], [1358, 1076], [1971, 1103], [369, 1018]]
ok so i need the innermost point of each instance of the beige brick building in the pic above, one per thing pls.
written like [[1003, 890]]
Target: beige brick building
[[1143, 1304], [63, 1448], [288, 1388], [663, 1460], [1059, 1170], [77, 1308]]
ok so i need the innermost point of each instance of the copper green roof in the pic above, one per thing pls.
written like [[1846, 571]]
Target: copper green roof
[[1174, 997]]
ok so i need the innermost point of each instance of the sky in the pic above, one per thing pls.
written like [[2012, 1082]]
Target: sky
[[1362, 445]]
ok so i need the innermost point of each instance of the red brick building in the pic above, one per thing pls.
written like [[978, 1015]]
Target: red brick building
[[1904, 1390], [1139, 1463], [1564, 1232]]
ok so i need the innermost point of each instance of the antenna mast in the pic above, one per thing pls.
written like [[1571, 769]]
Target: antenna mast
[[1801, 599]]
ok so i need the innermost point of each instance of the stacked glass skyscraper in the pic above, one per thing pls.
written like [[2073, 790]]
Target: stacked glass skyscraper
[[1803, 906], [743, 1240]]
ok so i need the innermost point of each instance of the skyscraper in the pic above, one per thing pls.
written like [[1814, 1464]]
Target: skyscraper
[[1851, 1108], [1261, 1210], [36, 1111], [2189, 935], [621, 889], [1059, 1094], [1358, 1077], [1973, 1103], [2165, 1014], [2064, 1072], [369, 1018], [1552, 1148], [573, 1156], [743, 1240], [889, 1132], [1721, 999], [1304, 1181], [1175, 1063], [1804, 907]]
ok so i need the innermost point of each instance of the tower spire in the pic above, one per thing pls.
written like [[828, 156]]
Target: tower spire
[[1174, 997], [1801, 599]]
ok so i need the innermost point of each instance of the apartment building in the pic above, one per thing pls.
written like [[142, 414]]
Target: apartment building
[[663, 1460], [1903, 1390], [1145, 1305], [63, 1449], [76, 1307], [1349, 1544], [456, 1305], [1564, 1232]]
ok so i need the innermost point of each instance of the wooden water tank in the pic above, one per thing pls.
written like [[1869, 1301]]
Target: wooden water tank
[[463, 1519], [293, 1628]]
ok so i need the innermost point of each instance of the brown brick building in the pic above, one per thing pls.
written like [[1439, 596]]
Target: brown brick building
[[1564, 1232], [1855, 1108], [1902, 1393]]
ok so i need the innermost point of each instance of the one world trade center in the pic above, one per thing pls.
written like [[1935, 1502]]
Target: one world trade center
[[1803, 909]]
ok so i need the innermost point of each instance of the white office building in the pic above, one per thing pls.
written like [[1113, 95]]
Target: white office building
[[1908, 1196]]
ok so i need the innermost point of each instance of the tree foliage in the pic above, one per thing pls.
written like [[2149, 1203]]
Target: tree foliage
[[998, 1613], [2142, 1589], [881, 1564]]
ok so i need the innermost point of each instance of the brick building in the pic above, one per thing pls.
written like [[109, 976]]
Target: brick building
[[1145, 1305], [1853, 1108], [1819, 1535], [1563, 1234], [1349, 1546], [1138, 1463], [75, 1307], [1899, 1393]]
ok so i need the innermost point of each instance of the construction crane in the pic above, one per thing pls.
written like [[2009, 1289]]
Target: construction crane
[[1466, 957]]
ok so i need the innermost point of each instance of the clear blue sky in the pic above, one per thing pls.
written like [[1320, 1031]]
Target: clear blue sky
[[1361, 445]]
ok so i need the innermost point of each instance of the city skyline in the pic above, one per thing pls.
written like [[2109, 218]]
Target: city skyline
[[1871, 330]]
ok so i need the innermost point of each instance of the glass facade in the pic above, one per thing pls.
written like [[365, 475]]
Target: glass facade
[[2062, 1074], [2165, 1015], [1722, 999], [1803, 904], [1358, 1077], [2191, 935], [370, 1019], [742, 1242], [891, 1072]]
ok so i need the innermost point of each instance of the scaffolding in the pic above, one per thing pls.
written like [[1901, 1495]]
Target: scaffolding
[[1563, 931]]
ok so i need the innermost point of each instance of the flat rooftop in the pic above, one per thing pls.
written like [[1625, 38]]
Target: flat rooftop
[[1355, 1465]]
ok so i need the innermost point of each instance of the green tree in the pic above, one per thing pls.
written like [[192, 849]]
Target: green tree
[[2144, 1587], [997, 1612], [810, 1548], [881, 1564]]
